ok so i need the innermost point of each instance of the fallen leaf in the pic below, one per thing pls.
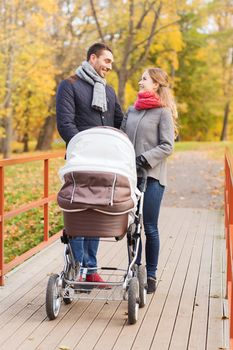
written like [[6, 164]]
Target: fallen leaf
[[225, 318]]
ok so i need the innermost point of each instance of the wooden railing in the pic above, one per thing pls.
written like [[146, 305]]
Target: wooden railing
[[229, 235], [4, 268]]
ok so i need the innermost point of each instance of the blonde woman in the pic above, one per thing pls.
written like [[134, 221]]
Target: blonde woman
[[151, 126]]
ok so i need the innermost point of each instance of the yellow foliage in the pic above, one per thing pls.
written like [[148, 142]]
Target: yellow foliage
[[33, 70], [131, 94]]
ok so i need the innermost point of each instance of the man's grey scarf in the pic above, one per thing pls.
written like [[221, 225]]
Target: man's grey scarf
[[87, 72]]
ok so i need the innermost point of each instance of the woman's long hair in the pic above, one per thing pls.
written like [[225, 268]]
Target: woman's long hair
[[167, 99]]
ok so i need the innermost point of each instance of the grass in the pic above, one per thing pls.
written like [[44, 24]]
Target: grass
[[215, 150], [24, 183]]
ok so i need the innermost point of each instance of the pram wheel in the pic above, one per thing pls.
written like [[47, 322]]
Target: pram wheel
[[142, 290], [67, 299], [133, 302], [53, 296]]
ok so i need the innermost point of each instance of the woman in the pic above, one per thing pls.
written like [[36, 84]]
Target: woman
[[151, 125]]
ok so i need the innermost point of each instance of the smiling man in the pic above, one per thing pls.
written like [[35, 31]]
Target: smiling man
[[84, 101]]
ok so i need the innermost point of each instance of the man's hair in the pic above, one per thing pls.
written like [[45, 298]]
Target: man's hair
[[97, 49]]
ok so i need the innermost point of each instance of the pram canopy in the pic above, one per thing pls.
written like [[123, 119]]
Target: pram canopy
[[100, 182]]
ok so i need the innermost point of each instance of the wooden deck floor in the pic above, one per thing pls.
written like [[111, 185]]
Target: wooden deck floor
[[188, 310]]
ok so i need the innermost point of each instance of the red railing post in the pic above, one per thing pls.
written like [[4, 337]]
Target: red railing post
[[226, 196], [4, 268], [228, 208], [1, 225], [46, 194]]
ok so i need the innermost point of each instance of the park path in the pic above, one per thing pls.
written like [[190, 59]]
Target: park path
[[194, 181]]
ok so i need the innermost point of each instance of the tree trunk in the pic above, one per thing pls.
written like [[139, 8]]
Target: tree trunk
[[6, 144], [7, 104], [1, 138], [46, 134], [25, 142], [225, 121], [122, 79]]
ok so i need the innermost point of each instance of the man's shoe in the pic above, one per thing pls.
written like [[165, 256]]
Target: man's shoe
[[95, 277], [151, 285]]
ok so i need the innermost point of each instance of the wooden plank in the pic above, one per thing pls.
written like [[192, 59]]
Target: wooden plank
[[96, 329], [22, 308], [141, 334], [125, 334], [23, 332], [25, 275], [215, 336], [114, 328], [182, 321], [92, 324], [77, 332], [14, 311], [42, 327], [199, 323], [165, 328], [28, 274], [97, 336], [155, 313], [53, 334]]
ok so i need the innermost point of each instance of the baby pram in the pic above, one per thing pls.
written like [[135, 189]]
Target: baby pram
[[99, 198]]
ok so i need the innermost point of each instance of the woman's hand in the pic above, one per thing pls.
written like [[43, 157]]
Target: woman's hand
[[141, 162]]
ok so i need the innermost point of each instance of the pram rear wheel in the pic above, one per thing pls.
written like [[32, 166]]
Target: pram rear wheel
[[53, 296], [142, 289], [133, 301]]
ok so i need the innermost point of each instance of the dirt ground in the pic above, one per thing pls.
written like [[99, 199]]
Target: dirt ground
[[194, 181]]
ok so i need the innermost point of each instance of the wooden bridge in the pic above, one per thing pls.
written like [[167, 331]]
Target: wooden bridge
[[187, 311]]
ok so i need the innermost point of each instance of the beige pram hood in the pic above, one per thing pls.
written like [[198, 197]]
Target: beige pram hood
[[99, 193], [101, 149]]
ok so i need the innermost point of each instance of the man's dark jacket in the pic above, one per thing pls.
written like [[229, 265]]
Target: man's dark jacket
[[74, 111]]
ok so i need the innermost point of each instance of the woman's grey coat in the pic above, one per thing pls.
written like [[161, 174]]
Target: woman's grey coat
[[152, 133]]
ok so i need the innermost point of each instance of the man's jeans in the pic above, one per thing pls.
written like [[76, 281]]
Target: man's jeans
[[151, 208], [85, 251]]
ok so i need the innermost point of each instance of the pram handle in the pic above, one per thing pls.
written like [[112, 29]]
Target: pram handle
[[143, 184]]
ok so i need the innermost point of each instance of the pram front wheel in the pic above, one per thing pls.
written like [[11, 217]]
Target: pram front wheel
[[133, 300], [142, 289], [53, 296], [67, 298]]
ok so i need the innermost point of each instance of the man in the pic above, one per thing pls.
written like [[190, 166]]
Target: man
[[84, 101]]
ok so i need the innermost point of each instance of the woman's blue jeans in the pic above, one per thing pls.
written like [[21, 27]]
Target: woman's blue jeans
[[152, 201], [85, 251]]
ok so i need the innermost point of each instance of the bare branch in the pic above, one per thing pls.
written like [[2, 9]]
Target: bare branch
[[155, 32], [148, 42], [129, 40], [145, 13], [96, 20], [116, 69]]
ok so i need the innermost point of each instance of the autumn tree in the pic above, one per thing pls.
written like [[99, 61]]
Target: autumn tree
[[69, 36], [221, 12], [133, 33], [8, 19], [28, 75], [194, 88]]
